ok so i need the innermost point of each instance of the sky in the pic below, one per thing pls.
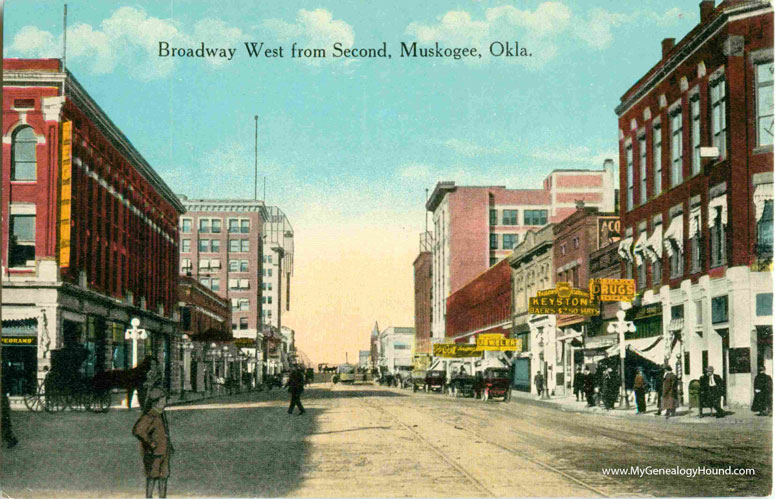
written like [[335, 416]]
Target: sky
[[349, 146]]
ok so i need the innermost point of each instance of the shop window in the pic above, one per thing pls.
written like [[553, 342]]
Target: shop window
[[764, 106], [21, 246], [720, 309], [764, 232], [718, 240], [24, 163], [763, 304]]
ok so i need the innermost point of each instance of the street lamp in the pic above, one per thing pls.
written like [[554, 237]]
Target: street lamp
[[135, 334], [186, 348], [620, 327]]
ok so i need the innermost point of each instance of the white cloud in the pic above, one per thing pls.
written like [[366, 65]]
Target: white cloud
[[313, 29], [577, 155], [129, 37], [595, 30], [415, 171]]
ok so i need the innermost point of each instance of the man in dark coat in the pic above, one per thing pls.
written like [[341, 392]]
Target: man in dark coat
[[578, 385], [610, 388], [9, 438], [296, 387], [762, 393], [589, 387], [657, 386], [153, 432], [669, 392], [711, 390], [539, 380], [639, 386]]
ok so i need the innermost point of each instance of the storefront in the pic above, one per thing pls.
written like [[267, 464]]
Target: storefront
[[19, 356]]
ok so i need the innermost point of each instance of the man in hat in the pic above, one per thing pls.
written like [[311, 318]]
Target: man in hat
[[669, 392], [152, 430], [296, 387], [578, 384], [762, 389], [711, 390], [639, 386], [589, 387]]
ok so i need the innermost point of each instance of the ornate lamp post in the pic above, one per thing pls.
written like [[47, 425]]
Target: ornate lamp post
[[135, 334], [186, 347], [620, 327]]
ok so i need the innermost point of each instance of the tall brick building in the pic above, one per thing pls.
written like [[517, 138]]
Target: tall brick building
[[696, 176], [91, 231], [423, 287]]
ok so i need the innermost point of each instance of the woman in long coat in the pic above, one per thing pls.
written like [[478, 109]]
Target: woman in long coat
[[762, 387], [153, 432], [669, 392]]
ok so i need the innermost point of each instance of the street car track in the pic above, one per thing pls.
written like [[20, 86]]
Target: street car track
[[439, 452]]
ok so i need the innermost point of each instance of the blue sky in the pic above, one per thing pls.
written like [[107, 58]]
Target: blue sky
[[351, 146]]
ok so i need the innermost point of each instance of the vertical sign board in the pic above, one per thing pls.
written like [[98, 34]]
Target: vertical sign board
[[65, 193]]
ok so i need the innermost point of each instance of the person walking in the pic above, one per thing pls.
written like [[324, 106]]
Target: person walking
[[589, 387], [669, 392], [539, 381], [578, 384], [609, 389], [762, 389], [711, 390], [152, 429], [296, 387], [9, 439], [639, 386]]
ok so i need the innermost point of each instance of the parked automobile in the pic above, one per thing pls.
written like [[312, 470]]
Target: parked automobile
[[435, 380], [463, 385], [418, 380], [494, 382]]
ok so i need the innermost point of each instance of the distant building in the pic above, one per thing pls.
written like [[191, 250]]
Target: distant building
[[477, 226], [696, 173], [277, 266], [395, 347], [364, 359], [423, 286], [90, 239]]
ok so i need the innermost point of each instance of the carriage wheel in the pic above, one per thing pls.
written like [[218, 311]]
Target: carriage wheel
[[100, 401], [34, 401], [55, 401], [83, 400]]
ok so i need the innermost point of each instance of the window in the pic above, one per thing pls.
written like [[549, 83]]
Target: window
[[244, 305], [215, 263], [576, 242], [717, 238], [657, 159], [243, 265], [263, 300], [642, 168], [244, 226], [204, 225], [234, 245], [216, 225], [23, 157], [269, 258], [641, 281], [269, 286], [493, 241], [215, 245], [269, 300], [719, 309], [695, 109], [186, 266], [204, 245], [244, 283], [493, 217], [676, 148], [244, 245], [233, 265], [763, 304], [535, 217], [676, 264], [234, 304], [509, 217], [233, 283], [215, 284], [185, 246], [243, 323], [764, 231], [718, 115], [186, 226], [630, 181], [269, 272], [204, 281], [204, 264], [764, 105], [509, 241], [676, 312], [698, 312], [233, 226], [21, 248]]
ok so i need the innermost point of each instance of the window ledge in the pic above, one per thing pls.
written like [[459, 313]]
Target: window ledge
[[763, 149], [24, 181], [21, 270]]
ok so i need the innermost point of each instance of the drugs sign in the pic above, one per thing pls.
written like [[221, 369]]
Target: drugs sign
[[455, 350], [564, 300], [612, 289], [497, 342]]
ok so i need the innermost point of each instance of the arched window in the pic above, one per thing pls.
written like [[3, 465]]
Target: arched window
[[23, 162]]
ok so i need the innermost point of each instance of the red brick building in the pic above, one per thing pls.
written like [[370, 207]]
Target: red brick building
[[696, 193], [92, 229], [423, 287]]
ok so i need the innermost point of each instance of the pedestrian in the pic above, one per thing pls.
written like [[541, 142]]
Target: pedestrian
[[669, 392], [639, 386], [657, 380], [539, 381], [762, 389], [152, 429], [711, 390], [9, 439], [589, 387], [578, 384], [296, 387], [152, 378], [609, 389]]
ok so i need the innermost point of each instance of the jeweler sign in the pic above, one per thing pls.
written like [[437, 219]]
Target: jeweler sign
[[563, 300], [612, 289], [455, 350], [497, 342]]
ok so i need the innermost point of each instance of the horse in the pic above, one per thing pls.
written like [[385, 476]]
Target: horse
[[128, 379]]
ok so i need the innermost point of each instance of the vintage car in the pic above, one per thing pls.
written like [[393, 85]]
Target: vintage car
[[403, 377], [462, 385], [418, 380], [435, 380], [494, 382]]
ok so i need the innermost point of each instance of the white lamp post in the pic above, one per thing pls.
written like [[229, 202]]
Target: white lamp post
[[135, 334], [620, 327]]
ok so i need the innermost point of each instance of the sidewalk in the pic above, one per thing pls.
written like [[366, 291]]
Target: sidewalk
[[568, 403]]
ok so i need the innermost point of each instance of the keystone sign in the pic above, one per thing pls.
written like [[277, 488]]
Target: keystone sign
[[497, 342], [612, 289], [564, 300]]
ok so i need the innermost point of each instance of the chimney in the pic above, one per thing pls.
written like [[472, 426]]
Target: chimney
[[706, 9], [667, 46]]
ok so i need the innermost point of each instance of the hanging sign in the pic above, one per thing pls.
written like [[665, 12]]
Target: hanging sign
[[65, 193], [497, 342], [563, 300], [612, 289]]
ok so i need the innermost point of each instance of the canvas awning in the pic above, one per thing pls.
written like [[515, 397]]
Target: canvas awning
[[625, 249], [717, 206], [674, 235], [762, 194], [654, 244]]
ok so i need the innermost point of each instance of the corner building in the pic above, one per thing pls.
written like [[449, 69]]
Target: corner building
[[90, 232], [696, 172]]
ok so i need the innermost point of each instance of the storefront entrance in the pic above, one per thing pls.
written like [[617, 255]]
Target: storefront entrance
[[521, 379], [20, 356]]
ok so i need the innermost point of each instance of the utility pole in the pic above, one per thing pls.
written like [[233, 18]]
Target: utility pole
[[620, 327]]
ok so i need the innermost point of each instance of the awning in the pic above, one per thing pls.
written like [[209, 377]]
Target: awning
[[20, 327], [676, 325], [651, 349], [762, 194], [625, 251], [695, 220], [603, 341], [654, 244], [674, 233], [713, 212], [639, 249]]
